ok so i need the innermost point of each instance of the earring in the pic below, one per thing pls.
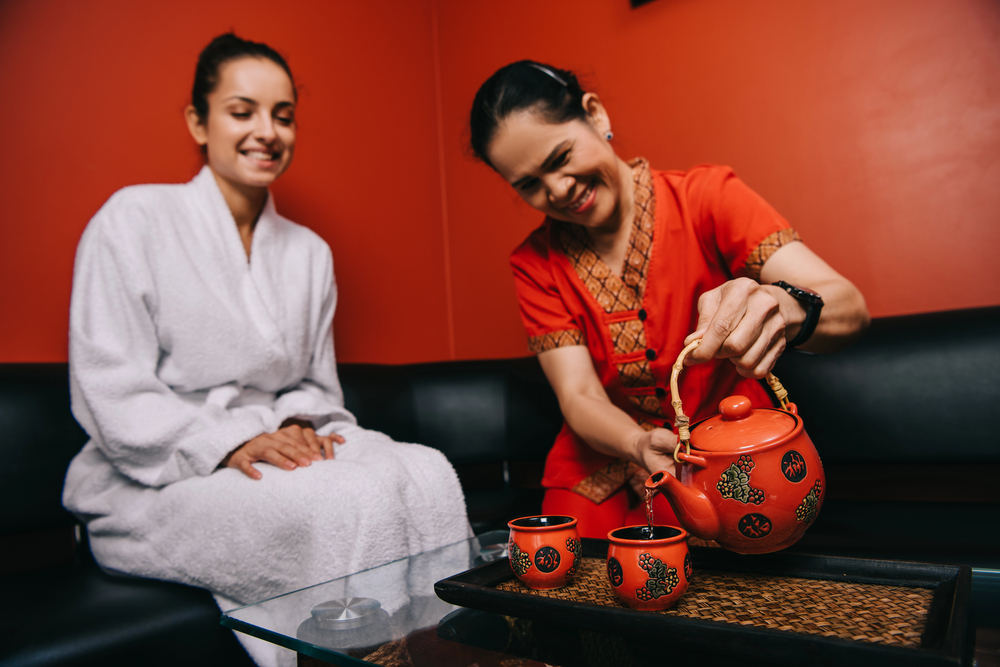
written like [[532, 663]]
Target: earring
[[609, 135]]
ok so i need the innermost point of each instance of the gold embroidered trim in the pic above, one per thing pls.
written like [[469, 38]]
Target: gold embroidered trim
[[554, 339], [613, 293], [755, 262], [628, 336], [636, 374], [641, 242], [647, 403], [601, 485]]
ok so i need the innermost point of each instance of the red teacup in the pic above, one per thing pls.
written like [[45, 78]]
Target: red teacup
[[649, 572], [544, 550]]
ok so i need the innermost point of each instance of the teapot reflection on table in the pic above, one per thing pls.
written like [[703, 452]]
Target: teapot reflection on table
[[750, 478]]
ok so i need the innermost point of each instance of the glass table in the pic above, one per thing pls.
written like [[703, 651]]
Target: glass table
[[390, 615], [380, 615]]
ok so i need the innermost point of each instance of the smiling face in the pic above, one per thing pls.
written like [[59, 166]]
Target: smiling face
[[568, 171], [250, 129]]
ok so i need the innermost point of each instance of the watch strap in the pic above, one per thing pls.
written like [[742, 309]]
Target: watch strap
[[813, 305]]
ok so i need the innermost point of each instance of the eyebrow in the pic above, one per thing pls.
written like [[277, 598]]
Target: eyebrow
[[545, 163], [248, 100]]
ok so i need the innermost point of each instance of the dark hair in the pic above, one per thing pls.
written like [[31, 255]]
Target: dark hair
[[219, 51], [526, 84]]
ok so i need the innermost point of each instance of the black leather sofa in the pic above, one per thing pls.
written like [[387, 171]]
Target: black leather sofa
[[904, 422]]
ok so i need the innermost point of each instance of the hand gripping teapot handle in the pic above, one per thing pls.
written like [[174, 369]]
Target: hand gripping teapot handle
[[682, 421]]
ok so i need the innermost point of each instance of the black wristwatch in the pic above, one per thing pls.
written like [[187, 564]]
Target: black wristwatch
[[813, 304]]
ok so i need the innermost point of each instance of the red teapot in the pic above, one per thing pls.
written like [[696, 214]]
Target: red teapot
[[750, 478]]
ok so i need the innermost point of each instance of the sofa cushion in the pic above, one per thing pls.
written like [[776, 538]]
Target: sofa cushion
[[903, 421], [495, 420], [39, 437], [918, 388], [78, 615]]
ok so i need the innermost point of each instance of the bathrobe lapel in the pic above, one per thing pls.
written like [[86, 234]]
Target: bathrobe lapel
[[243, 284]]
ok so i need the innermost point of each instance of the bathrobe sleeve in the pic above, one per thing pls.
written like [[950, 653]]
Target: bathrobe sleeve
[[146, 430], [319, 397]]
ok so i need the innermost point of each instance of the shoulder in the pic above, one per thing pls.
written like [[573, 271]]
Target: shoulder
[[536, 250], [700, 179], [136, 205], [707, 191], [141, 198], [133, 211], [300, 234], [302, 240]]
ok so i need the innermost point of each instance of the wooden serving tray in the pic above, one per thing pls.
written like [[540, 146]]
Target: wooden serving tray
[[782, 608]]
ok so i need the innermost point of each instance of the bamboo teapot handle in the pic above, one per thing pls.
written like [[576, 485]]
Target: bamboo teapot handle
[[682, 421]]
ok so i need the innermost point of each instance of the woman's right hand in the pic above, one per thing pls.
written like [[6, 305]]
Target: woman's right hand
[[288, 448], [655, 450], [594, 418]]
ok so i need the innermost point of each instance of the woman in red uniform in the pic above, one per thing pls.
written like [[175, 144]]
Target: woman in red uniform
[[630, 264]]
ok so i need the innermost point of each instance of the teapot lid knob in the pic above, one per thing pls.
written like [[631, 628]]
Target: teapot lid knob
[[740, 427], [735, 408]]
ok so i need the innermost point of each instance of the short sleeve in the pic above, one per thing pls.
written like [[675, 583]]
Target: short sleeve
[[735, 220], [547, 321]]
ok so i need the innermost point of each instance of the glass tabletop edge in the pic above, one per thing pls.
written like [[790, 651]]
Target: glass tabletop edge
[[283, 641], [470, 539]]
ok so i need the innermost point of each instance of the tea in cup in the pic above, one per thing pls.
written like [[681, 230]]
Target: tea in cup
[[649, 568], [544, 550]]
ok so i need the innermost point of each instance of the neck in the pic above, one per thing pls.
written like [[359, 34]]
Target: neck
[[244, 202], [614, 234]]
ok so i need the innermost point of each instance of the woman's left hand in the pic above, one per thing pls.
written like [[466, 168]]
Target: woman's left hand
[[319, 445], [740, 320], [747, 322]]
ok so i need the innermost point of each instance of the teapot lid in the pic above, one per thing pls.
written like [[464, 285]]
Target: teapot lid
[[739, 427]]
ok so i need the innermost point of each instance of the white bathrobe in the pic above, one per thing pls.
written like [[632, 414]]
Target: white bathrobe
[[181, 350]]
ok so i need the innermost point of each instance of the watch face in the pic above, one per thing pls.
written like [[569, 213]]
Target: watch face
[[809, 294], [799, 292]]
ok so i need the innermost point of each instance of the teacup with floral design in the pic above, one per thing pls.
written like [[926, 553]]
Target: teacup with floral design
[[649, 569], [544, 550]]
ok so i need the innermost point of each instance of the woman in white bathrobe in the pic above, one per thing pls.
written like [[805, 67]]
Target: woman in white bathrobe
[[202, 368]]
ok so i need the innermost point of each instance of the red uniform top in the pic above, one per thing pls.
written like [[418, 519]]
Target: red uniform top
[[692, 232]]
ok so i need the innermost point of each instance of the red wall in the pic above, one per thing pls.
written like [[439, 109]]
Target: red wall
[[874, 127], [93, 97]]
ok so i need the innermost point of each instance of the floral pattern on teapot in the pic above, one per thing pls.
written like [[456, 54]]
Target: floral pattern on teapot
[[809, 508], [735, 482]]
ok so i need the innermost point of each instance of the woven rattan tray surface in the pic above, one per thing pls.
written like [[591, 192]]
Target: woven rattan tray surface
[[784, 607], [859, 612]]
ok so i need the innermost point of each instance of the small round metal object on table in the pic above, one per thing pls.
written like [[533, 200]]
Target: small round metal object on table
[[346, 613], [348, 623]]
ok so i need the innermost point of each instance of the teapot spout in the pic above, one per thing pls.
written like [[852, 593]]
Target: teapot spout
[[693, 508]]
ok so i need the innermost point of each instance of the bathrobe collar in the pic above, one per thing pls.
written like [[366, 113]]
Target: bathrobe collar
[[252, 283], [210, 195]]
